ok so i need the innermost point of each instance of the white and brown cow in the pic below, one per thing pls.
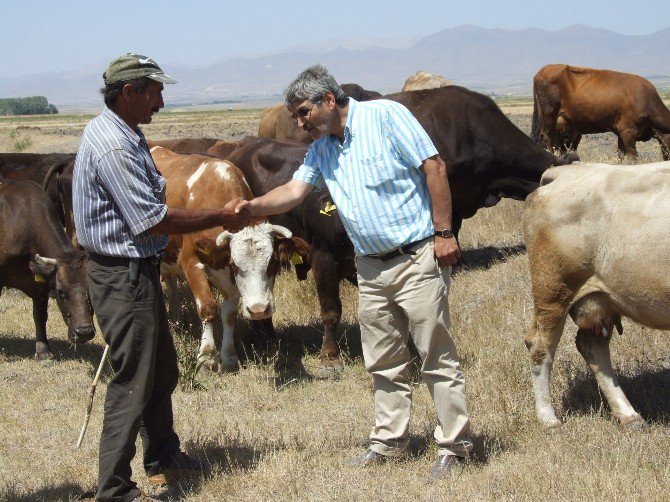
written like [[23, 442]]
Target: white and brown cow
[[590, 231], [241, 265]]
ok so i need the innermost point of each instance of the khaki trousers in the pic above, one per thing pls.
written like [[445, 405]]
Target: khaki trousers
[[409, 294]]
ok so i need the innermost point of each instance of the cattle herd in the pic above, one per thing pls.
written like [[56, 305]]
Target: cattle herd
[[585, 225]]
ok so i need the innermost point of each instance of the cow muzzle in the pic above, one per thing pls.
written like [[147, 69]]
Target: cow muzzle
[[81, 334], [258, 312]]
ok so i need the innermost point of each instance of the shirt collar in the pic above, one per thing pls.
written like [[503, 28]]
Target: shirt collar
[[135, 135]]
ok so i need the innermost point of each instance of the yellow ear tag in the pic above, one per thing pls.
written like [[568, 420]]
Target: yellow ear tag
[[40, 278], [329, 208], [296, 259], [204, 251]]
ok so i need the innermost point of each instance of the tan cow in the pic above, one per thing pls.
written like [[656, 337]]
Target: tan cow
[[597, 247], [241, 265], [424, 80], [276, 122]]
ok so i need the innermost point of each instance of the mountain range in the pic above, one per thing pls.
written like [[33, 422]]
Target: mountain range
[[486, 60]]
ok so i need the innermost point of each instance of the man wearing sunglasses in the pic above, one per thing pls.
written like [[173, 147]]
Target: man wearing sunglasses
[[392, 194]]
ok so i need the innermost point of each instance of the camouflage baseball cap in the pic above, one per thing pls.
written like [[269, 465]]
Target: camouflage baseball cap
[[134, 66]]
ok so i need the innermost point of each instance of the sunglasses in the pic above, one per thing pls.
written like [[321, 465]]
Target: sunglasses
[[303, 111]]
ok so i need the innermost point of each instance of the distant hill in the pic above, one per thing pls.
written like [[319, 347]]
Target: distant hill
[[487, 60]]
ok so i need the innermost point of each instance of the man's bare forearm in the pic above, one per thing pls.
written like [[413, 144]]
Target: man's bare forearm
[[279, 200], [438, 189], [183, 221]]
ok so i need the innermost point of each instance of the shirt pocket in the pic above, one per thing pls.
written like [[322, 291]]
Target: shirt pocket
[[376, 171]]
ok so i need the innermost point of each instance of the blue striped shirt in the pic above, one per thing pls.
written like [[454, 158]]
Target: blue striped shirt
[[374, 176], [117, 192]]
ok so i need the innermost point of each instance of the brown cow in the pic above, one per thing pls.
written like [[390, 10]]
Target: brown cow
[[192, 145], [38, 258], [570, 101], [241, 265], [424, 80]]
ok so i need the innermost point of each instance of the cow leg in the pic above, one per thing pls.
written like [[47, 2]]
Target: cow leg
[[206, 306], [40, 315], [626, 144], [664, 141], [228, 311], [327, 281], [174, 299], [594, 348], [541, 341]]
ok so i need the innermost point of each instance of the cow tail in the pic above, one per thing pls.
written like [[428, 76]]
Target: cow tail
[[56, 168], [535, 127]]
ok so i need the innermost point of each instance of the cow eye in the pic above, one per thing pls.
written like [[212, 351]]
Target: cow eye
[[61, 294]]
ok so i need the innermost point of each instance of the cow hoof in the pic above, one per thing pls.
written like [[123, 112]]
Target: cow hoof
[[45, 357], [551, 425], [330, 370], [635, 424], [230, 366], [208, 362]]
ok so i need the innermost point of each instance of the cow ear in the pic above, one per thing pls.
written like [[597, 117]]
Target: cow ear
[[294, 250], [44, 267], [205, 245]]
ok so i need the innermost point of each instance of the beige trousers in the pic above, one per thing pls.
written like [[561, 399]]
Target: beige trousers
[[409, 294]]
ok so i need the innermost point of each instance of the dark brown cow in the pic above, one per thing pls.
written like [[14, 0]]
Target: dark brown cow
[[486, 155], [242, 265], [276, 121], [570, 101], [53, 171], [37, 258]]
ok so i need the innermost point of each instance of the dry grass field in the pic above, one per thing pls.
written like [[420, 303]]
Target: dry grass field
[[272, 432]]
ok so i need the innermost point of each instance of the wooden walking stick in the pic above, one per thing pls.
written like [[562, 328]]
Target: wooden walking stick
[[91, 393]]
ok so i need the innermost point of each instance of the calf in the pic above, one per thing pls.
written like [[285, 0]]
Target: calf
[[588, 230], [241, 265], [38, 258]]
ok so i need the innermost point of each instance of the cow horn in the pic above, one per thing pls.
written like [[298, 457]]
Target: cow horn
[[281, 231], [223, 238], [45, 261]]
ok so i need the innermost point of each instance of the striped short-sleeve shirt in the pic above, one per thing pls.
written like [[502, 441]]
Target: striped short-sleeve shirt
[[374, 176], [118, 194]]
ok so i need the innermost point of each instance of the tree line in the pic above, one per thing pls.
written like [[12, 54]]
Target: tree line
[[33, 105]]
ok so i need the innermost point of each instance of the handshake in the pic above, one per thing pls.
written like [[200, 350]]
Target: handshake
[[236, 214]]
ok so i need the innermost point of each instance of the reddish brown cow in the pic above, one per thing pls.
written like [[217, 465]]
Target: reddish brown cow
[[191, 145], [571, 101], [241, 265]]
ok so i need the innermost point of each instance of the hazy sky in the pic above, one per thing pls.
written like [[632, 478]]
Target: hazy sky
[[56, 35]]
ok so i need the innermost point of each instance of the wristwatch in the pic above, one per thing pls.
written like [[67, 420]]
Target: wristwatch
[[445, 233]]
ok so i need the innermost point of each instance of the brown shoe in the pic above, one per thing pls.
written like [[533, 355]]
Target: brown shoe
[[178, 467]]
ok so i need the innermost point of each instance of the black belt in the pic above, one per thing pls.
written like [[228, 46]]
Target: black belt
[[406, 249], [115, 261]]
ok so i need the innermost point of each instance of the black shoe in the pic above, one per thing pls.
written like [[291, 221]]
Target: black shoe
[[370, 457], [179, 466], [445, 464]]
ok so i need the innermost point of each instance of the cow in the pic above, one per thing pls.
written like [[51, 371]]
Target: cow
[[53, 171], [586, 229], [38, 258], [487, 158], [241, 265], [276, 121], [191, 145], [424, 80], [570, 101]]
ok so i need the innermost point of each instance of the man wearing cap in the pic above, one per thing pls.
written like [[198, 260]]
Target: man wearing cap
[[391, 191], [123, 222]]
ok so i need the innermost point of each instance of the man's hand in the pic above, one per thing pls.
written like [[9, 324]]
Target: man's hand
[[447, 251], [243, 205], [234, 219]]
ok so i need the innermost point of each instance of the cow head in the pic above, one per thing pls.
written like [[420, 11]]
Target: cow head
[[256, 254], [67, 280]]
